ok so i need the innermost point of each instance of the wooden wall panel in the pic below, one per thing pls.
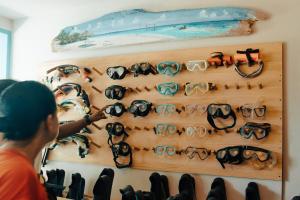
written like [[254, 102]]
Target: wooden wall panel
[[270, 95]]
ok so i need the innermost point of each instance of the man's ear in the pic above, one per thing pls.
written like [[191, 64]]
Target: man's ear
[[51, 124]]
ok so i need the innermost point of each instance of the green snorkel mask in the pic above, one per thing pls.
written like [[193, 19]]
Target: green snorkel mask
[[168, 89], [168, 68]]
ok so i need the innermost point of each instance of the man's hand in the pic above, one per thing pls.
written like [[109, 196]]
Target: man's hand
[[98, 115]]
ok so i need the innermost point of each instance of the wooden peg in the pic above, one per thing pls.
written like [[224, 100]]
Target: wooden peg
[[137, 128], [136, 149], [178, 110], [147, 89], [97, 71], [130, 90], [95, 144], [248, 86], [179, 132], [146, 128], [183, 108], [226, 86], [95, 107], [138, 89], [226, 130], [97, 127], [128, 128], [145, 149], [237, 86], [260, 86], [97, 89]]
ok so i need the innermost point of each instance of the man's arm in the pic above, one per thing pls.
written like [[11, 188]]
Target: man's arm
[[71, 128]]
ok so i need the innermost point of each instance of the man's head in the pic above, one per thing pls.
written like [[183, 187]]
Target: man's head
[[27, 108]]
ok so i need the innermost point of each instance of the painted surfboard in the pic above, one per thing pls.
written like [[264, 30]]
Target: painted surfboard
[[140, 26]]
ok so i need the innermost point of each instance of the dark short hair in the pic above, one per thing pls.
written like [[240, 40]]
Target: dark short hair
[[4, 83], [23, 106]]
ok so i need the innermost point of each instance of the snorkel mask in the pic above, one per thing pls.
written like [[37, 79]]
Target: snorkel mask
[[143, 68], [250, 57], [115, 92], [235, 155], [258, 130], [121, 153], [168, 89], [220, 111], [116, 109], [140, 108], [194, 65], [168, 68], [203, 87], [117, 72], [115, 131]]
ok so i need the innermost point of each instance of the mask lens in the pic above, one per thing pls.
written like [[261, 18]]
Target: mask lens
[[260, 133], [142, 107], [172, 129], [190, 131], [118, 109], [260, 112], [119, 128], [160, 129], [221, 154], [120, 70], [234, 152], [247, 154], [225, 109], [212, 109], [203, 154], [107, 110], [170, 150], [246, 111], [159, 150], [262, 156]]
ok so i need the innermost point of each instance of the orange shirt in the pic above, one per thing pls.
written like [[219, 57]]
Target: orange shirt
[[18, 180]]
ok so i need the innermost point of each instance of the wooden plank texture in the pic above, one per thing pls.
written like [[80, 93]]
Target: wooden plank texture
[[270, 95]]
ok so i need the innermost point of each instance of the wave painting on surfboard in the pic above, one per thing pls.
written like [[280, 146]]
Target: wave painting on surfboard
[[140, 26]]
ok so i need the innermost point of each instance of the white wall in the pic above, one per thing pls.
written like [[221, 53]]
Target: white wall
[[32, 40], [6, 23]]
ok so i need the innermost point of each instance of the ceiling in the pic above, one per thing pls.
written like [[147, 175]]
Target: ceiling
[[16, 9]]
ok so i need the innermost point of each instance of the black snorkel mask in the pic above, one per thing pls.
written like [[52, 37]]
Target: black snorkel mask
[[117, 72], [140, 108], [222, 111], [116, 131], [115, 92], [119, 151], [143, 68], [116, 109]]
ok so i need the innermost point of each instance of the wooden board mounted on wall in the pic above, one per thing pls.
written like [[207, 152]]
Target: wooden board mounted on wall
[[270, 95]]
